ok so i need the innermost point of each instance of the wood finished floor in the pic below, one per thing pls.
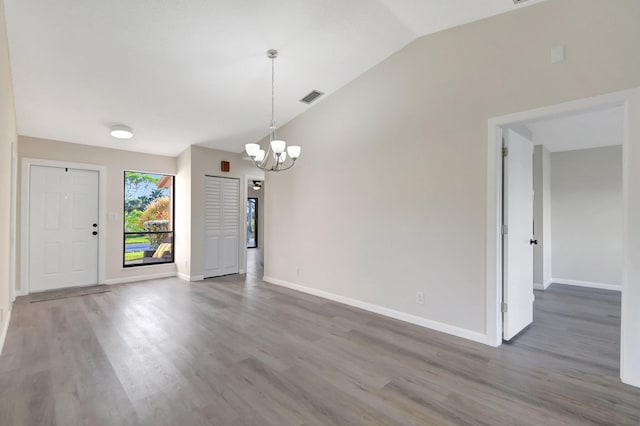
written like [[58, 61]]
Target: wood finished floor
[[226, 351]]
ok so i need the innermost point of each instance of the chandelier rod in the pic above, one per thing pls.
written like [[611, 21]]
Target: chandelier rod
[[273, 54]]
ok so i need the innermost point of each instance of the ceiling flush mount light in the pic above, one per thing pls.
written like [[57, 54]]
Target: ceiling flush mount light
[[275, 158], [121, 132]]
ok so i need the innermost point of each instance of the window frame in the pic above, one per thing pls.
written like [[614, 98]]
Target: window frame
[[172, 193]]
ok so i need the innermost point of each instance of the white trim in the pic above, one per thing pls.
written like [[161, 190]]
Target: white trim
[[137, 278], [5, 330], [630, 100], [541, 286], [13, 249], [19, 293], [381, 310], [186, 277], [494, 235], [588, 284], [24, 215], [242, 271]]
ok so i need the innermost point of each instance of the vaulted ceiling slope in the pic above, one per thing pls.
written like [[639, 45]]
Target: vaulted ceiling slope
[[183, 72]]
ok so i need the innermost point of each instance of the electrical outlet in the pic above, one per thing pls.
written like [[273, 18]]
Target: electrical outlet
[[420, 298]]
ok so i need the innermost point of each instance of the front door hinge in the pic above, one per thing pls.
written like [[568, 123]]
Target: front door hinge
[[505, 307], [505, 151], [505, 229]]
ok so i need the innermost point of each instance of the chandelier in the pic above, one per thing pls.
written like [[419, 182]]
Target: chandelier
[[278, 157]]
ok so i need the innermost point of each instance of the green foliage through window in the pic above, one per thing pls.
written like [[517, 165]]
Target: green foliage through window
[[148, 211]]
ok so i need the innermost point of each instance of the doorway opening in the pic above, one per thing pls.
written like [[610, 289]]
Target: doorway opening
[[629, 102], [252, 222], [562, 237], [255, 226]]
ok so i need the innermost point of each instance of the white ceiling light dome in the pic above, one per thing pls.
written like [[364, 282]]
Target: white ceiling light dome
[[120, 131]]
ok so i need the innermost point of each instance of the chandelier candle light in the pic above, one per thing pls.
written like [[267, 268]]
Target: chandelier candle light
[[275, 159]]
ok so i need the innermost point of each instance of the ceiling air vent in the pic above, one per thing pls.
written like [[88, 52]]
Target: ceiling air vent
[[311, 97]]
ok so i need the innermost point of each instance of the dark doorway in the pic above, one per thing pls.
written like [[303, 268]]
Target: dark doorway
[[252, 222]]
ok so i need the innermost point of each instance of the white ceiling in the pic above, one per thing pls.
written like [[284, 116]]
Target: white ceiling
[[184, 72], [591, 129]]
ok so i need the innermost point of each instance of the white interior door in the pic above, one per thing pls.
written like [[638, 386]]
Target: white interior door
[[63, 215], [517, 240], [222, 226]]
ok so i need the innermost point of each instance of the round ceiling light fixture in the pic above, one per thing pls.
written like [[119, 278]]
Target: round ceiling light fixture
[[121, 132]]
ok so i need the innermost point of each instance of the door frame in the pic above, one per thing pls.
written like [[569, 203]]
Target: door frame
[[14, 234], [27, 163], [630, 318]]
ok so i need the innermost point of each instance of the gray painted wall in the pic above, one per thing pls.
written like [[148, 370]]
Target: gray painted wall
[[587, 214], [8, 139], [393, 169]]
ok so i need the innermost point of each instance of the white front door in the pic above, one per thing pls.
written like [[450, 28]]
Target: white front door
[[63, 216], [518, 234], [222, 226]]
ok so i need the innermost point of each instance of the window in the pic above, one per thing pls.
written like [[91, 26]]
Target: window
[[148, 219]]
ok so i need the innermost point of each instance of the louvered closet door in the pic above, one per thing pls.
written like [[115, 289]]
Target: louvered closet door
[[222, 198], [230, 225]]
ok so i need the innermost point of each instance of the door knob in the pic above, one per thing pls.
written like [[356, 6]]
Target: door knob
[[532, 242], [95, 225], [95, 232]]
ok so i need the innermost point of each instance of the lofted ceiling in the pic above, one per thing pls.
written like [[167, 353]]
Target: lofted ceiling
[[182, 72], [582, 130]]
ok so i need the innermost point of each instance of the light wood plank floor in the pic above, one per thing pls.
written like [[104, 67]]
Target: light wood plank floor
[[230, 351]]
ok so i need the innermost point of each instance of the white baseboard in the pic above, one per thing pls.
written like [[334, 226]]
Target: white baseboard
[[5, 330], [540, 286], [139, 278], [186, 277], [18, 293], [587, 284], [402, 316], [630, 380], [242, 271]]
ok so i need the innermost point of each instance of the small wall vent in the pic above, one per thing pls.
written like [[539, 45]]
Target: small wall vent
[[311, 97]]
